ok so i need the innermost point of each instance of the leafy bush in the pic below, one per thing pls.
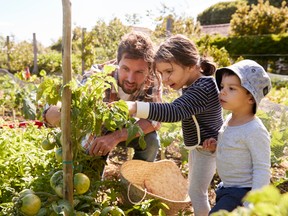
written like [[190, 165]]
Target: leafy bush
[[260, 19], [18, 98], [23, 163], [51, 62]]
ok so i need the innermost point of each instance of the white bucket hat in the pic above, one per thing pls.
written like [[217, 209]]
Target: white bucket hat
[[252, 76]]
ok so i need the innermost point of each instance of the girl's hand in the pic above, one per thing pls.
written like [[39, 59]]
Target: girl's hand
[[210, 144], [132, 107]]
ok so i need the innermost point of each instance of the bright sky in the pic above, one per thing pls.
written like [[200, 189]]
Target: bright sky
[[22, 18]]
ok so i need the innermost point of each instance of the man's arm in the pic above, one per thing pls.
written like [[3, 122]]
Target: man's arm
[[104, 144]]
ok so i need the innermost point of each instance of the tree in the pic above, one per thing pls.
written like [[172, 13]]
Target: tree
[[102, 42], [177, 25], [133, 19], [275, 3], [21, 56], [219, 13], [259, 19]]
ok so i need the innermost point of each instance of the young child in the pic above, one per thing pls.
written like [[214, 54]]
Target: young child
[[199, 109], [243, 146]]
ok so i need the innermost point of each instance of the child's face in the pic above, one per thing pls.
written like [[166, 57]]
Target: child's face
[[174, 75], [233, 96]]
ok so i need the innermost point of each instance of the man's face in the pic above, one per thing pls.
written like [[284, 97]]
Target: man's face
[[132, 73]]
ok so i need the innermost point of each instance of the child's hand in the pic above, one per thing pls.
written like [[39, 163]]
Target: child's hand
[[210, 144], [132, 107]]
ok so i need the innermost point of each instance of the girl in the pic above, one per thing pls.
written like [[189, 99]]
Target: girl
[[181, 67]]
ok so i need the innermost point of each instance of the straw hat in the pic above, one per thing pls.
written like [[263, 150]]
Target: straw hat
[[160, 180]]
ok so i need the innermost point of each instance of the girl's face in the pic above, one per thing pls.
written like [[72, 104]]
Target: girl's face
[[176, 76], [233, 96]]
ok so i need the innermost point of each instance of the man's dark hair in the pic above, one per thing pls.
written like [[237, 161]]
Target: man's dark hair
[[136, 45]]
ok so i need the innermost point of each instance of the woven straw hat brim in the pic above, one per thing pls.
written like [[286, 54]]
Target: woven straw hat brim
[[161, 180]]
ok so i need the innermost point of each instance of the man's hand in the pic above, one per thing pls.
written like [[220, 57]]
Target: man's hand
[[210, 144], [53, 116], [102, 145]]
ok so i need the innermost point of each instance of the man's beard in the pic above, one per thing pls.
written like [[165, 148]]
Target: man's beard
[[128, 90]]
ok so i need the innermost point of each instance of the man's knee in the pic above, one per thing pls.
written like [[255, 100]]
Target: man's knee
[[151, 149], [152, 140]]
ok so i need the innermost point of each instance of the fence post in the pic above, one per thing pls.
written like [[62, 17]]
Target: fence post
[[82, 49], [35, 51], [8, 52]]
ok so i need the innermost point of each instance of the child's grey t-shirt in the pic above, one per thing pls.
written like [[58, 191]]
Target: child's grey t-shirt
[[243, 155]]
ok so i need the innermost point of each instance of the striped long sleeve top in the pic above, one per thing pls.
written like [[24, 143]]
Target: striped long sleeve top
[[199, 99]]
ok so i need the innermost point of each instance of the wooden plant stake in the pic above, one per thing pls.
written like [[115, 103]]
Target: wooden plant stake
[[66, 103]]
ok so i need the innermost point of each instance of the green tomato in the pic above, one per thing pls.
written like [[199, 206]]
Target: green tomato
[[31, 204], [58, 155], [59, 190], [58, 139], [81, 183], [56, 182], [25, 192], [47, 145]]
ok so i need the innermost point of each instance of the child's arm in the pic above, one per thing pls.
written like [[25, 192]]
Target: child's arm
[[210, 144]]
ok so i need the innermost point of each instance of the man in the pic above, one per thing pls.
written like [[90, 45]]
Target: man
[[136, 81]]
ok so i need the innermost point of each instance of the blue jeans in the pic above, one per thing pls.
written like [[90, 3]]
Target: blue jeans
[[152, 147], [229, 198]]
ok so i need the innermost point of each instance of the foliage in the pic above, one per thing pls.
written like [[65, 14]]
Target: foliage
[[218, 54], [3, 53], [219, 13], [89, 113], [265, 49], [259, 19], [276, 123], [20, 55], [51, 62], [275, 3], [147, 207], [279, 95], [23, 165], [100, 44], [18, 97]]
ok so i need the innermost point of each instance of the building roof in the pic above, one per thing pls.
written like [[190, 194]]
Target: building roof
[[142, 29], [222, 29]]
